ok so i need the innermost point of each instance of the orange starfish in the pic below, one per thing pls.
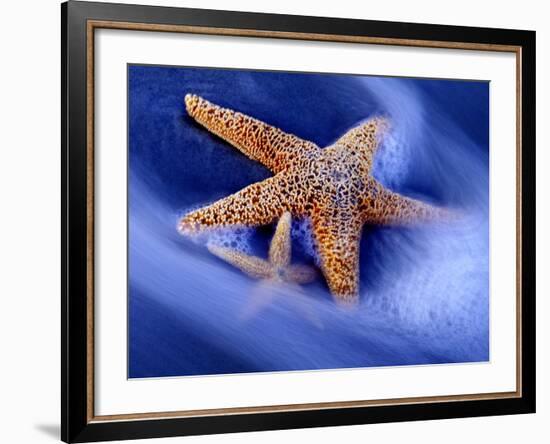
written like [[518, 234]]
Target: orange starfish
[[331, 186]]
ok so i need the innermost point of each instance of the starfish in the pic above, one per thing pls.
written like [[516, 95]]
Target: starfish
[[332, 186], [277, 268], [276, 273]]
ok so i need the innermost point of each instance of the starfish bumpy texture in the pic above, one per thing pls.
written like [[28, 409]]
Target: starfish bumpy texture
[[333, 187], [278, 268]]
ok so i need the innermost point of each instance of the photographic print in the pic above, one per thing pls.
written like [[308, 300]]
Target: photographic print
[[293, 221]]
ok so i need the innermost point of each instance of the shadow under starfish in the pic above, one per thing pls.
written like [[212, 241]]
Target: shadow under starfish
[[333, 187]]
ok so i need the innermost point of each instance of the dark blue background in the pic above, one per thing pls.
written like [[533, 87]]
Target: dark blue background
[[438, 152]]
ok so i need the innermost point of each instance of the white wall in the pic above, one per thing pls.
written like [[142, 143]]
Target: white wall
[[30, 203]]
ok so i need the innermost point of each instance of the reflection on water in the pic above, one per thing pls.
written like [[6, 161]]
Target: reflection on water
[[424, 289]]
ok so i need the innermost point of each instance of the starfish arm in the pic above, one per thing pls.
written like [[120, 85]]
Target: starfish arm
[[364, 138], [303, 305], [253, 266], [259, 141], [257, 204], [280, 249], [301, 274], [390, 208], [261, 297], [337, 240]]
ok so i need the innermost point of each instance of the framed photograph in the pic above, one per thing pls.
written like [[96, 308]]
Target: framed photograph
[[277, 221]]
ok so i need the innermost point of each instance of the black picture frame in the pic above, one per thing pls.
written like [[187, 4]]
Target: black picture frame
[[76, 326]]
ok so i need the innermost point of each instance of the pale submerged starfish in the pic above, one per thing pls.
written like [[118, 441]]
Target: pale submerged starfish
[[278, 276], [332, 186], [277, 268]]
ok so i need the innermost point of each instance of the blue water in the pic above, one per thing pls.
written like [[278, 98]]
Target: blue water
[[424, 289]]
